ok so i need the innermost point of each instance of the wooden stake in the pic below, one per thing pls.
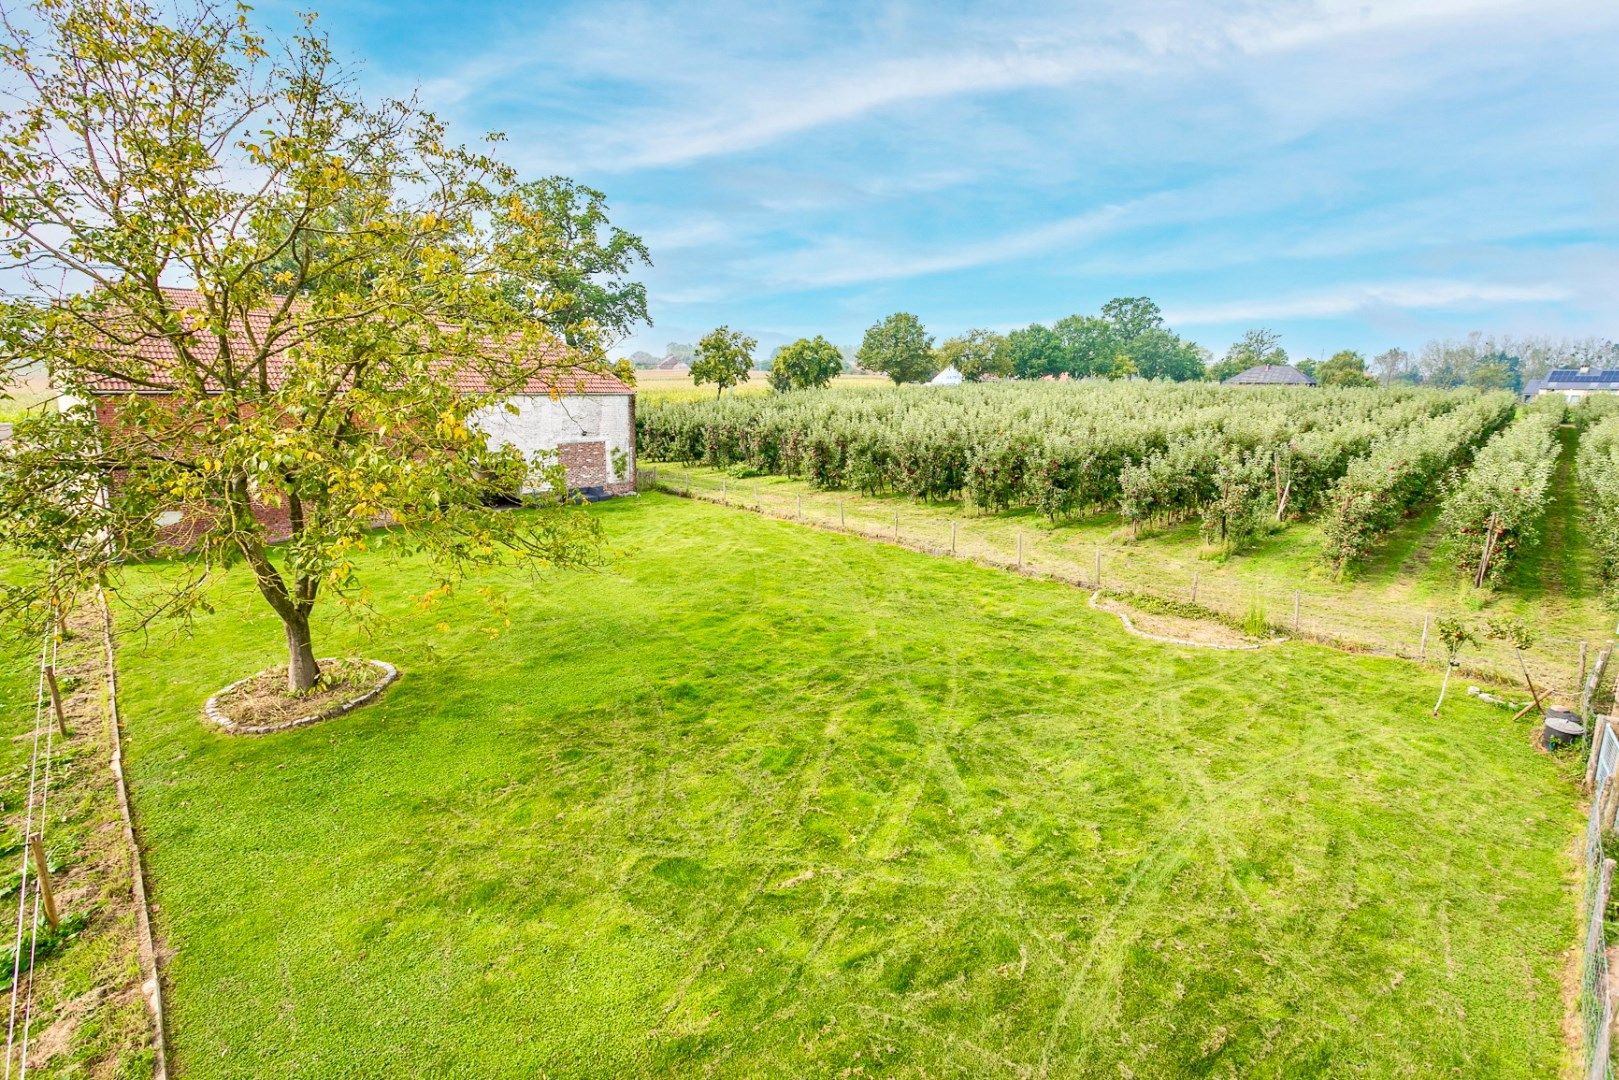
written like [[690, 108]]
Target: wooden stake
[[1426, 620], [841, 521], [1194, 586], [801, 508], [725, 492], [43, 873], [1610, 806], [952, 538], [1098, 566], [1297, 598], [896, 526], [56, 701], [1582, 665], [1020, 551], [1489, 549]]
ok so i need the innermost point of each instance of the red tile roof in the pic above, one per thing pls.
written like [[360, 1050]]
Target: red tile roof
[[158, 350]]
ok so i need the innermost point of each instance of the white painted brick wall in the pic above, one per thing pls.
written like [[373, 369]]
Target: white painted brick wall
[[541, 424]]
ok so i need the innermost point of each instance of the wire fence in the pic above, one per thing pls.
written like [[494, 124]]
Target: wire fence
[[1557, 664], [1596, 989]]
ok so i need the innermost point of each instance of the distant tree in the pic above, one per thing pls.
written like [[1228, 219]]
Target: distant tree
[[1089, 344], [1159, 354], [1308, 365], [806, 363], [1256, 347], [1346, 368], [976, 354], [900, 348], [1036, 351], [677, 350], [1392, 364], [1497, 371], [723, 357], [1132, 316]]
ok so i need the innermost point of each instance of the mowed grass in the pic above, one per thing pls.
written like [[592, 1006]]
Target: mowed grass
[[767, 801]]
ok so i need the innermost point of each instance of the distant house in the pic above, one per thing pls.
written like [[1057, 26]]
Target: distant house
[[1574, 384], [948, 377], [1271, 375], [585, 417], [672, 363]]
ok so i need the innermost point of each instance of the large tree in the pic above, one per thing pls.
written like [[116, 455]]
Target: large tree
[[1344, 368], [723, 357], [806, 363], [358, 291], [900, 348], [976, 354]]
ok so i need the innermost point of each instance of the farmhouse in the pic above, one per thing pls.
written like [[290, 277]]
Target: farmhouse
[[1271, 375], [586, 418], [1574, 384]]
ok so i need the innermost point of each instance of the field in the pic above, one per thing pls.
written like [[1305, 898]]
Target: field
[[763, 800], [676, 386], [1176, 494]]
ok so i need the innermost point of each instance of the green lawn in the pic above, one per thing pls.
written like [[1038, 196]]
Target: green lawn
[[768, 801], [1382, 606]]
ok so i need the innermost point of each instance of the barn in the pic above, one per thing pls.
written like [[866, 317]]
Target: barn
[[586, 418]]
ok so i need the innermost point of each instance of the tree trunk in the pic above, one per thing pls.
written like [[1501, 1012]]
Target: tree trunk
[[302, 671]]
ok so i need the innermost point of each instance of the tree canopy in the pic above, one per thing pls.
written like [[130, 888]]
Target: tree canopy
[[804, 364], [360, 291], [1345, 368], [976, 354], [900, 348], [723, 357]]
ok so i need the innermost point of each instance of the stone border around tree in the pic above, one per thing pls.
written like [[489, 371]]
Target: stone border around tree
[[212, 711]]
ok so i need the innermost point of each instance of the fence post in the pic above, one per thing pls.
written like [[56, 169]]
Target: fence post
[[43, 874], [1098, 566], [1582, 662], [952, 538], [56, 701], [1194, 586], [896, 526], [1596, 750], [1610, 806], [1020, 549], [1298, 595], [1426, 620]]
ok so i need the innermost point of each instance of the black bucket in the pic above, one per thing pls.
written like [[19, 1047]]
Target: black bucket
[[1563, 728]]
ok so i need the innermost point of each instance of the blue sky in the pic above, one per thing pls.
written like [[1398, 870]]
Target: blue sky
[[1352, 174]]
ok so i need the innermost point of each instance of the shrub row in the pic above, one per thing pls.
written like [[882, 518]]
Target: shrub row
[[1495, 506], [1400, 470]]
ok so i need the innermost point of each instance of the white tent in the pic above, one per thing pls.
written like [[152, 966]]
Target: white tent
[[948, 377]]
